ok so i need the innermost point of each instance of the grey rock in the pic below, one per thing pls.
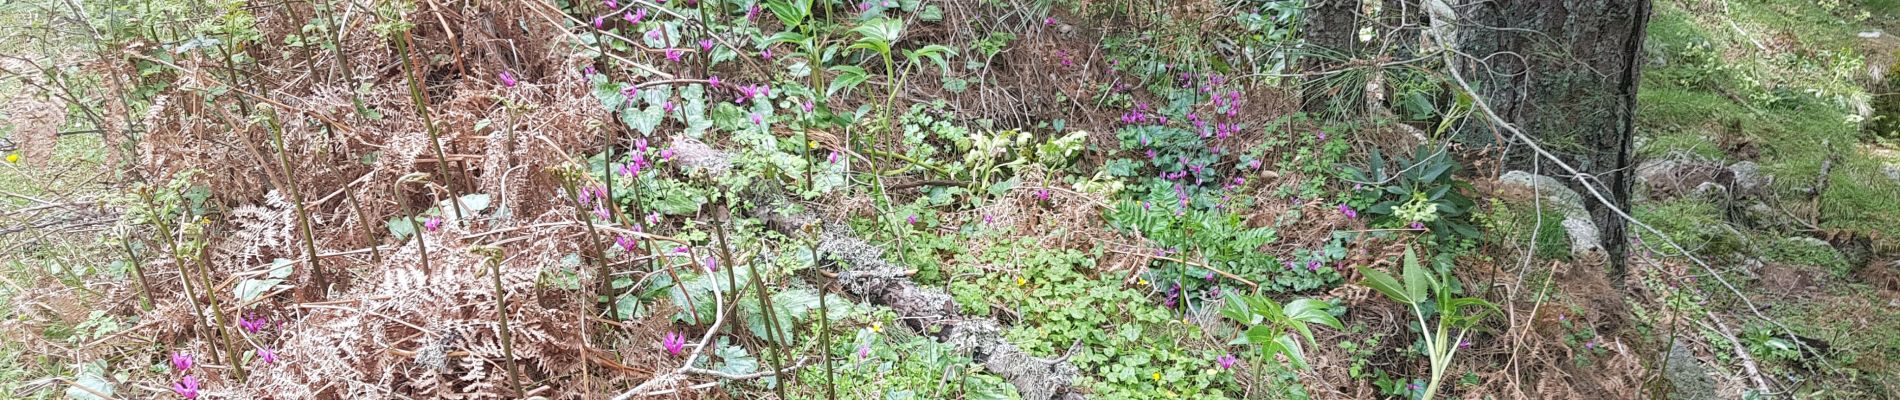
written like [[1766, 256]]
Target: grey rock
[[1688, 378], [1585, 242], [1749, 179]]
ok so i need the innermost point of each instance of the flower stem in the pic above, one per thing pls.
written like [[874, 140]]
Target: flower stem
[[501, 315]]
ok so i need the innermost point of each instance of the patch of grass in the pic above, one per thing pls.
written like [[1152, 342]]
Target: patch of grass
[[1809, 252], [1691, 222]]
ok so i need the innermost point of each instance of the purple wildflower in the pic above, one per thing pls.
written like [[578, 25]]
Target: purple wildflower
[[713, 81], [186, 387], [674, 343], [611, 4], [833, 158], [266, 356], [864, 351], [674, 54], [1346, 209], [631, 18], [1418, 225], [667, 153], [752, 13], [668, 108], [1312, 265], [432, 224], [705, 44], [1049, 21], [251, 324], [864, 6], [1322, 135], [912, 219], [600, 211], [507, 79], [765, 54], [626, 243], [653, 218], [681, 250], [181, 361], [638, 15], [1464, 344], [757, 120], [807, 106], [712, 264], [599, 22], [1227, 361]]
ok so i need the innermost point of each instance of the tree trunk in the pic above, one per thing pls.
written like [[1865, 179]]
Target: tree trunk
[[1566, 73], [1331, 29]]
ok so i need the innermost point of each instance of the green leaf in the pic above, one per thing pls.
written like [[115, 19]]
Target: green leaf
[[1292, 349], [882, 29], [1312, 312], [1385, 284], [1418, 280], [849, 76]]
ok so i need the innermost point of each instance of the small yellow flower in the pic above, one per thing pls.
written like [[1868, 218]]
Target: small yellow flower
[[877, 326], [1020, 281], [1157, 376], [13, 158], [1144, 281], [811, 144]]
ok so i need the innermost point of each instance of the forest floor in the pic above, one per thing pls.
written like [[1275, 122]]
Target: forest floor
[[1060, 199]]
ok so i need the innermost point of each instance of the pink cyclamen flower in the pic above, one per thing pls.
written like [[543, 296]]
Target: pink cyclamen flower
[[631, 18], [638, 15], [631, 169], [1042, 194], [181, 361], [752, 13], [1322, 135], [765, 54], [807, 106], [674, 343], [1312, 266], [1464, 344], [611, 4], [433, 223], [865, 6], [681, 250], [1227, 361], [705, 44], [757, 120], [1049, 21], [626, 243], [600, 22], [266, 356], [712, 264], [1350, 214], [668, 108], [1418, 225], [588, 71], [989, 219], [186, 387], [251, 325], [674, 54], [833, 158], [667, 153], [713, 81], [864, 351], [912, 219], [507, 79], [653, 218]]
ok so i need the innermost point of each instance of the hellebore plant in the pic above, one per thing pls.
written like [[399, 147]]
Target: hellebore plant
[[1421, 285], [1274, 325]]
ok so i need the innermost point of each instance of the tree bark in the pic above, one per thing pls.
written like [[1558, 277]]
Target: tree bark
[[1331, 30], [1565, 72]]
